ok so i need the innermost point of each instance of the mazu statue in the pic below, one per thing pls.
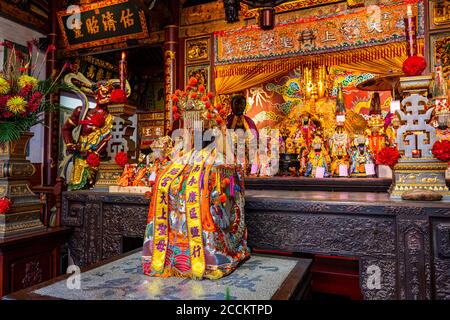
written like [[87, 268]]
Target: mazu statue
[[196, 224], [87, 131]]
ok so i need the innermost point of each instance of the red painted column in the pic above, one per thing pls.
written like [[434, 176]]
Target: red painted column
[[170, 73]]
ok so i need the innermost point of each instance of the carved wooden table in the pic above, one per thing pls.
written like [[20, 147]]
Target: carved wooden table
[[403, 248], [30, 259]]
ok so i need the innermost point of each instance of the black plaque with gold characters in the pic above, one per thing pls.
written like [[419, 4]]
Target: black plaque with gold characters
[[102, 23]]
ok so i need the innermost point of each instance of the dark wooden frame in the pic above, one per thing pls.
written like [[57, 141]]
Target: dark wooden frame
[[295, 286]]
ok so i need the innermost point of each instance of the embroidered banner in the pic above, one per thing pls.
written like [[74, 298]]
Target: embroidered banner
[[352, 29]]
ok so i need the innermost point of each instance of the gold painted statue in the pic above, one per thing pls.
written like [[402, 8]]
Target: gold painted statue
[[317, 157], [377, 138], [360, 157]]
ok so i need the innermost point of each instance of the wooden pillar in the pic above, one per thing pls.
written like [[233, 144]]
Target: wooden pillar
[[51, 121], [170, 73]]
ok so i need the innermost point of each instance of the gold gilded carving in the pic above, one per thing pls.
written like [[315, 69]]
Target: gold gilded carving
[[198, 50]]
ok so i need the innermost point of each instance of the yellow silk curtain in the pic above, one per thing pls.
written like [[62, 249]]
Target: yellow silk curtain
[[378, 60]]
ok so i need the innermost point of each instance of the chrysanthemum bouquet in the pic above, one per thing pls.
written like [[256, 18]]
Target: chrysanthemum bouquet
[[24, 98]]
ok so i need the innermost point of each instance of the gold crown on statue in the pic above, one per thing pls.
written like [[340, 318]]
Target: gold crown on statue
[[196, 105], [359, 139], [375, 121]]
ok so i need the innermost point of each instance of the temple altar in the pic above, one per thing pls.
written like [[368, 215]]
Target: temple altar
[[397, 240]]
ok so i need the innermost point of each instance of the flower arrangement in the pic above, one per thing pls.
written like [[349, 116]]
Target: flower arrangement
[[388, 156], [24, 98], [121, 159], [414, 65], [195, 98], [441, 150]]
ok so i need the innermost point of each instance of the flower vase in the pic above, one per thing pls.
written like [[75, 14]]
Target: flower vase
[[15, 173]]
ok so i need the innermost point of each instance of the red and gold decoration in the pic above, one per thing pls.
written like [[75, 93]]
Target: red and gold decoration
[[102, 23], [441, 150], [317, 35], [199, 188]]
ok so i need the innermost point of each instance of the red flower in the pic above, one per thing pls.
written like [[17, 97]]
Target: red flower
[[98, 120], [25, 91], [223, 198], [219, 120], [204, 98], [218, 107], [223, 112], [188, 88], [441, 150], [210, 95], [93, 160], [118, 96], [175, 98], [5, 205], [184, 94], [201, 88], [388, 156], [414, 65], [35, 102], [193, 81], [194, 95], [121, 158], [209, 116], [178, 92], [207, 105], [176, 116], [175, 109], [226, 181]]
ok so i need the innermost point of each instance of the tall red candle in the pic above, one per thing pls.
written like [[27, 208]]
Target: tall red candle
[[410, 29], [123, 71]]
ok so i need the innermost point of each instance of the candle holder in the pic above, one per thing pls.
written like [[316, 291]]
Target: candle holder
[[417, 175], [109, 172]]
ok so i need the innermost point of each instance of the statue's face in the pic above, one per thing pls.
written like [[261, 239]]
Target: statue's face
[[305, 120], [238, 106], [103, 94], [361, 148], [317, 146]]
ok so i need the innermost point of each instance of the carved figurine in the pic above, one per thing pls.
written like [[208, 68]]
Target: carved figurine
[[126, 177], [317, 157], [95, 126], [376, 136], [360, 157]]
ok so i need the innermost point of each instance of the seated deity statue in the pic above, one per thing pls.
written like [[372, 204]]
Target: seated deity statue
[[196, 224], [360, 157], [317, 157]]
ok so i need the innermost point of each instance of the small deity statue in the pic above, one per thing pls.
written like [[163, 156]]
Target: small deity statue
[[442, 122], [307, 128], [340, 158], [95, 126], [126, 177], [360, 157], [237, 120], [376, 136], [339, 144], [317, 157]]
